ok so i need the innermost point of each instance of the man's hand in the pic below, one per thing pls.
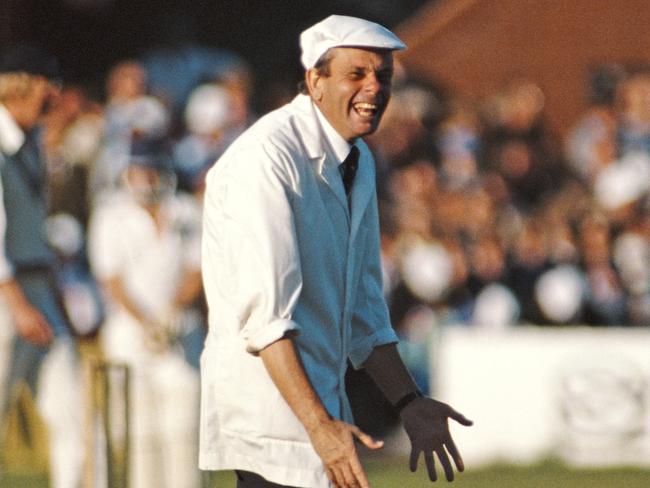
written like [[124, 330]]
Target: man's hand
[[31, 325], [334, 443], [426, 423], [333, 440], [161, 336], [29, 322]]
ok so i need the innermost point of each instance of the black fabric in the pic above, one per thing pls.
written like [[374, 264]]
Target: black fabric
[[246, 479], [348, 169], [406, 399]]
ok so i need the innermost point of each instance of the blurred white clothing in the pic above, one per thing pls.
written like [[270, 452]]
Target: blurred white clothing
[[11, 140], [124, 242], [60, 404]]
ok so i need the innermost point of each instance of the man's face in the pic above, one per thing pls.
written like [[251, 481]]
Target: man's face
[[148, 186], [36, 103], [355, 94]]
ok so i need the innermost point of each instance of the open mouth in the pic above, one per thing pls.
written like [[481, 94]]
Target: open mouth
[[365, 109]]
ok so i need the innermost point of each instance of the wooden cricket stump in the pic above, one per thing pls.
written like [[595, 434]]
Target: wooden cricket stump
[[107, 428]]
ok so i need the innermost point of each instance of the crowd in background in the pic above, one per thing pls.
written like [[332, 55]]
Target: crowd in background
[[488, 218], [492, 220]]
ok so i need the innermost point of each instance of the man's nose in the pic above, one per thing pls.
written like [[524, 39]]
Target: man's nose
[[372, 83]]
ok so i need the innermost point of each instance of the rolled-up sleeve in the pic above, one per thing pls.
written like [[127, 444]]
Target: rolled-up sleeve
[[250, 252], [370, 319]]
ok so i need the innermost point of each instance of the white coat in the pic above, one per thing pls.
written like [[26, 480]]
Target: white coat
[[282, 256]]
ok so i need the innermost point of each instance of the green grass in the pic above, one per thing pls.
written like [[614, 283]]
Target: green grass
[[544, 475], [23, 481], [394, 473]]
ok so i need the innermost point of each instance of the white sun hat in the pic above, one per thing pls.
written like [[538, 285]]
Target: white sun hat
[[343, 31]]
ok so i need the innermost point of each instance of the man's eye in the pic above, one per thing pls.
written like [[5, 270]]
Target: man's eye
[[385, 76]]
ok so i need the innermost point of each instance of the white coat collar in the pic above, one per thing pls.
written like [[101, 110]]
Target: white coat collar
[[316, 146], [340, 146]]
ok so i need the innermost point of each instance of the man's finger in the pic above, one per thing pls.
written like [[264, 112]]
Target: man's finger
[[367, 440], [446, 465], [348, 477], [460, 418], [413, 460], [339, 479], [431, 465], [455, 454], [359, 473]]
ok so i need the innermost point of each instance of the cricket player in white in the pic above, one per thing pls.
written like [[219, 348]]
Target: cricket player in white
[[145, 250]]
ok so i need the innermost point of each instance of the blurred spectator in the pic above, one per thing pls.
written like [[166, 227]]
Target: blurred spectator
[[605, 294], [72, 135], [458, 140], [559, 293], [528, 260], [634, 106], [631, 254], [210, 126], [487, 263], [592, 142], [27, 264], [619, 186], [496, 308], [493, 304], [404, 134], [198, 64], [238, 81], [519, 146], [426, 270], [145, 250], [130, 115], [79, 291], [73, 131], [511, 226]]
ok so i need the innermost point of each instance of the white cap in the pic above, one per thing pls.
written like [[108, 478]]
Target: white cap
[[343, 31], [208, 109]]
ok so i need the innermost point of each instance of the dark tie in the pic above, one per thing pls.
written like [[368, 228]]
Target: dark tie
[[348, 168]]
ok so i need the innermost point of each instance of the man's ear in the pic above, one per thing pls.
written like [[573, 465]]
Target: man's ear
[[312, 78]]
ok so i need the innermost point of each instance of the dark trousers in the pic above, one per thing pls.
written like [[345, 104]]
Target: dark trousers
[[25, 365], [246, 479]]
